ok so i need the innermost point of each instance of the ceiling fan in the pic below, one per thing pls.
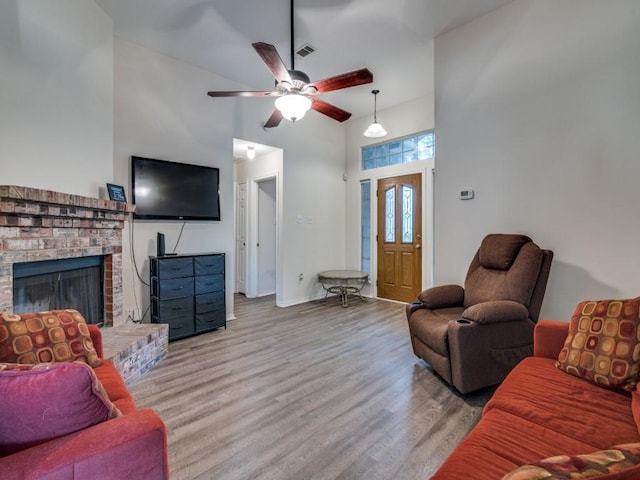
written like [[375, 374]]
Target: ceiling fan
[[294, 90]]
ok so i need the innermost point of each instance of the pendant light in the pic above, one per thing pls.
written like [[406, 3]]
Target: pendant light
[[375, 130]]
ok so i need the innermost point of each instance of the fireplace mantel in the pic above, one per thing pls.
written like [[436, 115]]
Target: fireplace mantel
[[40, 224]]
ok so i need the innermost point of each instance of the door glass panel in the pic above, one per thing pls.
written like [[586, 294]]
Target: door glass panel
[[390, 215], [365, 226], [407, 214]]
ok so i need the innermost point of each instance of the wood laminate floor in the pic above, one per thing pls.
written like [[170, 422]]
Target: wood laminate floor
[[313, 391]]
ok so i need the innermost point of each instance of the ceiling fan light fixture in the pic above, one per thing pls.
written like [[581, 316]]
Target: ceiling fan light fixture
[[375, 130], [293, 106], [251, 152]]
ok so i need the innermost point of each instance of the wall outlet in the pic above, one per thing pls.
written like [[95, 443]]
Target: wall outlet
[[301, 277]]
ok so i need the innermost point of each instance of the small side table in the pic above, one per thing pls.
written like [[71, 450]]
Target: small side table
[[343, 283]]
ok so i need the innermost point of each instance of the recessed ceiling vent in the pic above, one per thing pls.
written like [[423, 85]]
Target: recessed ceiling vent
[[305, 50]]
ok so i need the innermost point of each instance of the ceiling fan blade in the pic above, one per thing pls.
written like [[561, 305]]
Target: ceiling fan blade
[[239, 94], [330, 110], [351, 79], [270, 56], [274, 119]]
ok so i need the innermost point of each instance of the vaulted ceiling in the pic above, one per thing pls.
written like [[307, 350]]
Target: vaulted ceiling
[[393, 38]]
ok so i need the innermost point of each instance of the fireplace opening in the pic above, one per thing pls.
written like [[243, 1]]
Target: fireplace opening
[[58, 284]]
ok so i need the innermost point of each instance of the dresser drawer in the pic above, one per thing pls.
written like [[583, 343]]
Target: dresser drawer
[[208, 264], [176, 288], [175, 268], [209, 283], [176, 307], [181, 327], [208, 302], [210, 320]]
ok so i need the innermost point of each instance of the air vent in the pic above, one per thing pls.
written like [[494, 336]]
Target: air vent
[[305, 50]]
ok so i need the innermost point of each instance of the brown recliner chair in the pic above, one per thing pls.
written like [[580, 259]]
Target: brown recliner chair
[[473, 336]]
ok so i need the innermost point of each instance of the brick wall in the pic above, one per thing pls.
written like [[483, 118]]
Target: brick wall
[[45, 225]]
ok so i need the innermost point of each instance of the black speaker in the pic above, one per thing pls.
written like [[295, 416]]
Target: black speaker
[[160, 244]]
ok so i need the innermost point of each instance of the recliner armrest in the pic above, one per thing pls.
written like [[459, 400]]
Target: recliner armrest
[[497, 311], [442, 296], [412, 307]]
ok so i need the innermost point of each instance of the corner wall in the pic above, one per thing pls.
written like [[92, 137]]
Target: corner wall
[[537, 110]]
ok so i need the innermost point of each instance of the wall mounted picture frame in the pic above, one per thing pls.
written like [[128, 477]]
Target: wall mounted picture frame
[[116, 193]]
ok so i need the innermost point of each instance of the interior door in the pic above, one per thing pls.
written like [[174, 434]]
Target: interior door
[[241, 238], [399, 237]]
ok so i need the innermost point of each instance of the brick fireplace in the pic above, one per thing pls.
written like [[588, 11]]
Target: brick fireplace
[[38, 225]]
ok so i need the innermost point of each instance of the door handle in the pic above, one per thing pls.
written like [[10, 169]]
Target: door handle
[[418, 247]]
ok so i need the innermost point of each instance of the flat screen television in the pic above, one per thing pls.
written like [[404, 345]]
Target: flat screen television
[[164, 190]]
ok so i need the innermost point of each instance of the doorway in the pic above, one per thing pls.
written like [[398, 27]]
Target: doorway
[[241, 238], [258, 210], [399, 237], [266, 238]]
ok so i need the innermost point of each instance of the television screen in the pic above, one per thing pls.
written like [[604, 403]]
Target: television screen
[[174, 191]]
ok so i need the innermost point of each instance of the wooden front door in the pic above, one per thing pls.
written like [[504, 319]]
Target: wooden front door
[[400, 237]]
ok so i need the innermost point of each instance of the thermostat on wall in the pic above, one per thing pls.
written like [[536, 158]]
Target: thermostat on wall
[[466, 194]]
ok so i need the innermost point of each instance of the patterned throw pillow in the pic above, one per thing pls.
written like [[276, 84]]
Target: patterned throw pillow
[[603, 345], [47, 400], [54, 336], [592, 465]]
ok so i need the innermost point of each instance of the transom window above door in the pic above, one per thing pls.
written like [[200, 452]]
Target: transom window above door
[[399, 151]]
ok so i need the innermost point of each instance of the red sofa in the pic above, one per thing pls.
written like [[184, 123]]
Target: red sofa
[[540, 411], [131, 446]]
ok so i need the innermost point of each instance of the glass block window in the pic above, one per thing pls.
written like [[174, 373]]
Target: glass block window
[[404, 150], [365, 226]]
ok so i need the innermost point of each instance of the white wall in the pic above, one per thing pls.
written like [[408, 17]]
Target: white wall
[[162, 111], [56, 95], [537, 109], [399, 121]]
